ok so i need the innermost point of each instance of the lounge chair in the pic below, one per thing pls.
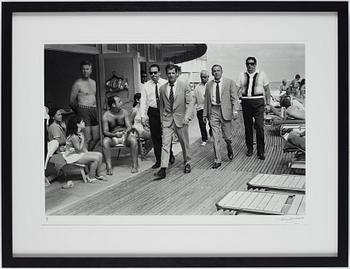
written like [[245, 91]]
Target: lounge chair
[[295, 183], [298, 161], [263, 203], [52, 146]]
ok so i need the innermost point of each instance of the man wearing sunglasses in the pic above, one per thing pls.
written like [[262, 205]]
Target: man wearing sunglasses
[[255, 91], [149, 106]]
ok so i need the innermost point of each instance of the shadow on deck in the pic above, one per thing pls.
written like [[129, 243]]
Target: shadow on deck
[[186, 194]]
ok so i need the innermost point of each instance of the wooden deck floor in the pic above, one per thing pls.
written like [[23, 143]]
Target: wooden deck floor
[[186, 194]]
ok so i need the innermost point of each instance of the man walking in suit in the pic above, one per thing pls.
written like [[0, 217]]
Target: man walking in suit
[[220, 107], [176, 107], [255, 90], [149, 106]]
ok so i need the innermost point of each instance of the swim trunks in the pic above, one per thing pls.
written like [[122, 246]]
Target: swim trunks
[[88, 114]]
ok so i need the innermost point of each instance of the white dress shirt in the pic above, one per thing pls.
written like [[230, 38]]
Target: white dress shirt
[[213, 98], [261, 82], [199, 93], [148, 95]]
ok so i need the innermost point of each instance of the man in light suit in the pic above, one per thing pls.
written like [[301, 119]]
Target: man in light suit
[[220, 107], [176, 107]]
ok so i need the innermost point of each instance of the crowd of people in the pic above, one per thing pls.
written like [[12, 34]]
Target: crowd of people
[[163, 110]]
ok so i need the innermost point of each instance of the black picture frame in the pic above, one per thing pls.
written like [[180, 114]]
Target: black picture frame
[[9, 8]]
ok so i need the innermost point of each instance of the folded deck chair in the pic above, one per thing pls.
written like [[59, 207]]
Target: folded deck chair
[[263, 203], [286, 182]]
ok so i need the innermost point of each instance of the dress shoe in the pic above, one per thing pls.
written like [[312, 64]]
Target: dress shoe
[[216, 165], [229, 151], [160, 174], [187, 168], [249, 153], [261, 156], [156, 165], [172, 159]]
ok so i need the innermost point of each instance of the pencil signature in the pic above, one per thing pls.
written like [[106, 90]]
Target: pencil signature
[[291, 218]]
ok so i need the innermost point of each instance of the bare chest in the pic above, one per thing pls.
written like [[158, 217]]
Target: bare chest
[[87, 87]]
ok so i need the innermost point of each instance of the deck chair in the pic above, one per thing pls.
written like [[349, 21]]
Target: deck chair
[[298, 161], [52, 146], [295, 183], [263, 203]]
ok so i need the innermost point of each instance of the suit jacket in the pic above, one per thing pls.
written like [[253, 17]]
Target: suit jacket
[[229, 98], [182, 108]]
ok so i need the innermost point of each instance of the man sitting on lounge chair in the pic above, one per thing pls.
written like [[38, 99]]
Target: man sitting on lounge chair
[[295, 110], [297, 139], [117, 131]]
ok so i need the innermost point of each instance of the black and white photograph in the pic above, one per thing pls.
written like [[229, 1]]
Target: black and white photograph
[[175, 129], [168, 134]]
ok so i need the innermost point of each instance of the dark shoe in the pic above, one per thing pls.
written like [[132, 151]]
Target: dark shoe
[[172, 159], [249, 153], [187, 168], [261, 156], [216, 165], [156, 165], [229, 151], [160, 174]]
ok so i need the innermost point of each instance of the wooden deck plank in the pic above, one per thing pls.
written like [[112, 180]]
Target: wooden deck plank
[[269, 207], [295, 204], [256, 179], [301, 209], [257, 200], [301, 183], [280, 203], [265, 201], [249, 200]]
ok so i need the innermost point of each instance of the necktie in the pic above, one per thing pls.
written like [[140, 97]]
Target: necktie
[[171, 97], [217, 93], [157, 96]]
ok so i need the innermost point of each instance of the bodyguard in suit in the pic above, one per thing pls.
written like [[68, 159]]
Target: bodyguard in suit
[[220, 107], [176, 107]]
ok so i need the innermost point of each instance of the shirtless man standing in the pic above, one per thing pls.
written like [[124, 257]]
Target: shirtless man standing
[[117, 130], [83, 102]]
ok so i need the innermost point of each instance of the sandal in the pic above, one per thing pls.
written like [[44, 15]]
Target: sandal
[[91, 180], [68, 185], [102, 178]]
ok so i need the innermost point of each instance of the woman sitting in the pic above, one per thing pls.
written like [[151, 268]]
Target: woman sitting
[[143, 131], [135, 118], [57, 128], [76, 151]]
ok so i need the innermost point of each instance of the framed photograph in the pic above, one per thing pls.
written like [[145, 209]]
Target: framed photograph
[[173, 134]]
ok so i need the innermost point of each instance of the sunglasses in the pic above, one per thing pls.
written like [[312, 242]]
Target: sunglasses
[[250, 63], [153, 73]]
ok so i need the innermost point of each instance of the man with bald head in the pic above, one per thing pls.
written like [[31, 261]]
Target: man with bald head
[[199, 93]]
